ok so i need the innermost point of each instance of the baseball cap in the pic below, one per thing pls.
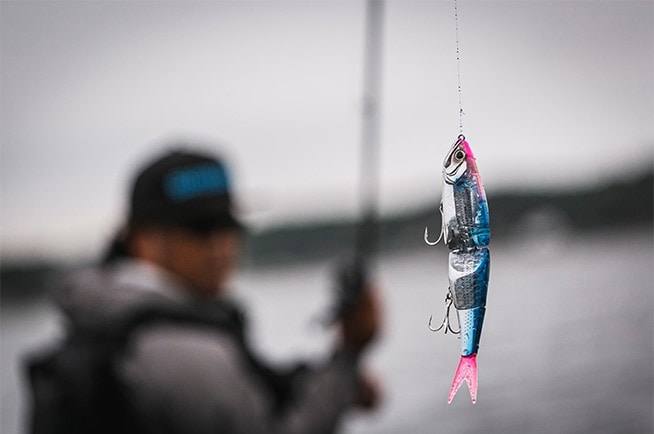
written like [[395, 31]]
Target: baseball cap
[[184, 188]]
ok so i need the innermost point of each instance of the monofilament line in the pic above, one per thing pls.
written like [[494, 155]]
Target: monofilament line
[[458, 66]]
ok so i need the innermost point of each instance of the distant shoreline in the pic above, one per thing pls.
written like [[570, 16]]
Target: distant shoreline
[[625, 204]]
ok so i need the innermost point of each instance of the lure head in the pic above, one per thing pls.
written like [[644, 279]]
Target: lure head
[[458, 162]]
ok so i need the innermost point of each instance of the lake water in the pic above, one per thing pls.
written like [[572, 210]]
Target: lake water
[[567, 344]]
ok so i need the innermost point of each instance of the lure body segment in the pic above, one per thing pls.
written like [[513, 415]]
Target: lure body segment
[[468, 275], [464, 205], [466, 232]]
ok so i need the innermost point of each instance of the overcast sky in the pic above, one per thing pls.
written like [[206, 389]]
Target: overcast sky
[[556, 94]]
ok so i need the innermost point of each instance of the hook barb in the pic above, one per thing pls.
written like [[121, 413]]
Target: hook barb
[[432, 243], [446, 319], [439, 327]]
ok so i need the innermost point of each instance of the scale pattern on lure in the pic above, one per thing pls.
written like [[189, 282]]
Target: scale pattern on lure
[[466, 231]]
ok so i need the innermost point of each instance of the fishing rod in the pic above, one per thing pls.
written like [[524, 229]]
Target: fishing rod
[[367, 230], [353, 276]]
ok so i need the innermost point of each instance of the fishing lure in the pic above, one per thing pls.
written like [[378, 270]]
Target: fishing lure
[[466, 232]]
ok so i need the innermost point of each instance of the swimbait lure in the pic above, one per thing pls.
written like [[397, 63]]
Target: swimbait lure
[[466, 232]]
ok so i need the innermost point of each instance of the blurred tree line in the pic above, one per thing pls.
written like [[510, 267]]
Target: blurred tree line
[[612, 206]]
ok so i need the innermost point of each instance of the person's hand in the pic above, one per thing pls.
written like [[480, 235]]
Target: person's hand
[[357, 311], [370, 392], [360, 324]]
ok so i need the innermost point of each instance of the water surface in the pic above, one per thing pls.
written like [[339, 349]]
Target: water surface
[[567, 343]]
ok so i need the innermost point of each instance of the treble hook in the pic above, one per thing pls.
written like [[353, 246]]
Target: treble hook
[[443, 229], [446, 319]]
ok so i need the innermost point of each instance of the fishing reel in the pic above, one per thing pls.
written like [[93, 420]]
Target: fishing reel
[[350, 279]]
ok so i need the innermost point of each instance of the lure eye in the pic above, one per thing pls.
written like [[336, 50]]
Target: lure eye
[[459, 155]]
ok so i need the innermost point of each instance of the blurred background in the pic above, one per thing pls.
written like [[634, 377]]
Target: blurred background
[[559, 109]]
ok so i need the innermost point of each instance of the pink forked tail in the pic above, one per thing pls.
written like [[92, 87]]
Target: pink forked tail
[[466, 371]]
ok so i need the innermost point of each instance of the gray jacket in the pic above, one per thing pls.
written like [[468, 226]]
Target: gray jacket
[[191, 380]]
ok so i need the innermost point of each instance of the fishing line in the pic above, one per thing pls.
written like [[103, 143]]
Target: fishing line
[[458, 66]]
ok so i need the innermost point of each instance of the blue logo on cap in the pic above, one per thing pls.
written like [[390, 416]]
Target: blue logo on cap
[[184, 184]]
